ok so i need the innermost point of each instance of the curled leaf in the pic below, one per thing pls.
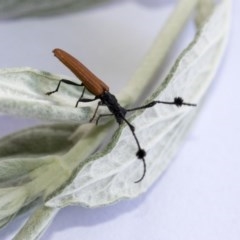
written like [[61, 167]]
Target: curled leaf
[[106, 178], [72, 177], [12, 200], [20, 9], [40, 140], [29, 98]]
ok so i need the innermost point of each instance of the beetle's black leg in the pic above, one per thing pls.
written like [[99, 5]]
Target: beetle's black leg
[[95, 112], [102, 115], [80, 98], [63, 81], [88, 99]]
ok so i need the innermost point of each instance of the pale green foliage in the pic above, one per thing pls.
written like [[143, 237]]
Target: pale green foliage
[[19, 9], [77, 175], [12, 200]]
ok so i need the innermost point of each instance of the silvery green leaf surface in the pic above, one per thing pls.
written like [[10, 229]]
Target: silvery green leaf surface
[[30, 100], [19, 9], [109, 176], [109, 179], [40, 140], [37, 224]]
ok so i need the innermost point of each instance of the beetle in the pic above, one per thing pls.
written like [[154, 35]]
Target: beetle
[[101, 91]]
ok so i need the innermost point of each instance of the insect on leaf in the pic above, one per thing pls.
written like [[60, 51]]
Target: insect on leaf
[[110, 177]]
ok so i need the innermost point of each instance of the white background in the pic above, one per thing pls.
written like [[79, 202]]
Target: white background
[[199, 195]]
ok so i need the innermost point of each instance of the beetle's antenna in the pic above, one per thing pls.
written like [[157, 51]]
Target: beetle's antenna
[[141, 152], [178, 101]]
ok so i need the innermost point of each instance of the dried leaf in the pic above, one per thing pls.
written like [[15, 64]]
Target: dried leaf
[[107, 179], [29, 98], [40, 140], [20, 9], [109, 175]]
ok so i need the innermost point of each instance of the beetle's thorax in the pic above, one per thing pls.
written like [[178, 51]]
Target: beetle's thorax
[[114, 107]]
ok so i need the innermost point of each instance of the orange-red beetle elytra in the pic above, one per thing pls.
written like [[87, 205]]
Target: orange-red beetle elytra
[[91, 82], [101, 91]]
